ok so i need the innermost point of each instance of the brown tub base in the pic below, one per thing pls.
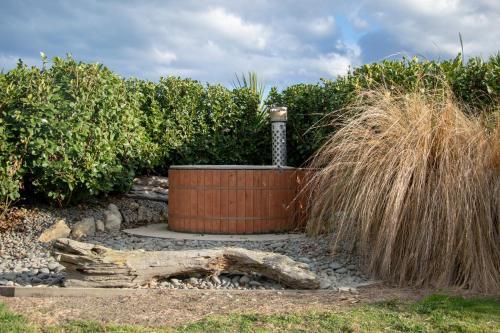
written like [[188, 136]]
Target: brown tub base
[[224, 199]]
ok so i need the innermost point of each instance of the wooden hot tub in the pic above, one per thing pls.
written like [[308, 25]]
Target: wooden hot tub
[[233, 199]]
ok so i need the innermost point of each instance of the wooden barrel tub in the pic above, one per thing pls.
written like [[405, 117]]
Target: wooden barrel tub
[[234, 199]]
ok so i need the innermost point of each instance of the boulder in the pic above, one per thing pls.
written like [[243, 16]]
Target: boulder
[[85, 227], [113, 218], [59, 230]]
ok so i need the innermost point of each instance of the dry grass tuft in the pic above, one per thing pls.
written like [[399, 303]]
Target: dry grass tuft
[[413, 184]]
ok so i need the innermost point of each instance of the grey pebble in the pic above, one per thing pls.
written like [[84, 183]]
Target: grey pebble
[[254, 283], [53, 266], [215, 279], [244, 279], [335, 265]]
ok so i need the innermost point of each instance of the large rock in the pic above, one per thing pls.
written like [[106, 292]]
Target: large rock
[[85, 227], [113, 218], [59, 230]]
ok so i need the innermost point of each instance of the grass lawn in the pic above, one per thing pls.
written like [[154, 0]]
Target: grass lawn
[[433, 314]]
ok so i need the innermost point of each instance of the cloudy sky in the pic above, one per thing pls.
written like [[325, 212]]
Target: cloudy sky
[[283, 41]]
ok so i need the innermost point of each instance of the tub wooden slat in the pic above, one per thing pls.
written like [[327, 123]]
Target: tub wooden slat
[[258, 207], [240, 201], [224, 199], [208, 202], [193, 202], [231, 220], [249, 199], [216, 212]]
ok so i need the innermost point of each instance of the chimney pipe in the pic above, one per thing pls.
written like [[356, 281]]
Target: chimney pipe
[[278, 129]]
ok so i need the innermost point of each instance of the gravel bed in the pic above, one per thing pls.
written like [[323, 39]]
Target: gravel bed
[[26, 262]]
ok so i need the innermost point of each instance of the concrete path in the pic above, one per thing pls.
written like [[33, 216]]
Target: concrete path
[[160, 231]]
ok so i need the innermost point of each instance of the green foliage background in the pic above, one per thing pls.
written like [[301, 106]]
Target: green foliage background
[[71, 130]]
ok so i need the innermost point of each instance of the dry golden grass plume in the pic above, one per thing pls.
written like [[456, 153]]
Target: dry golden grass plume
[[413, 184]]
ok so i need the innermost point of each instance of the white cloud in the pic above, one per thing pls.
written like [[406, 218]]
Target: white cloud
[[432, 26], [233, 27], [356, 20], [322, 25], [334, 64], [163, 57]]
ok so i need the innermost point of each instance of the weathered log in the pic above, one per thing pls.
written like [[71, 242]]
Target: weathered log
[[145, 195], [89, 265], [155, 189], [152, 181]]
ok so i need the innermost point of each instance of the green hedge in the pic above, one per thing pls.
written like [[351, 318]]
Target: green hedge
[[316, 111], [195, 124], [74, 126], [70, 130]]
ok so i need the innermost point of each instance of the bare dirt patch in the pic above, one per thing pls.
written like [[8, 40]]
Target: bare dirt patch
[[172, 307]]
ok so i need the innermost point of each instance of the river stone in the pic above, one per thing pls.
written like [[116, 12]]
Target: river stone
[[44, 272], [254, 283], [85, 227], [59, 230], [52, 266], [325, 284], [193, 281], [335, 265], [99, 225], [215, 279], [342, 270], [113, 218], [36, 280], [244, 279]]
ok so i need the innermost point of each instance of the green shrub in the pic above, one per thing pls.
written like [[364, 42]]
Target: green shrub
[[10, 161], [75, 125], [228, 130], [195, 124]]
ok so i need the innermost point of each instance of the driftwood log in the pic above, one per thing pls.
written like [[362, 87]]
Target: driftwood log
[[89, 265], [150, 188], [154, 181], [147, 195]]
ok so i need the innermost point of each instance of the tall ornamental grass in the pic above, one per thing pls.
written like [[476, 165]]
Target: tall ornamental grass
[[412, 184]]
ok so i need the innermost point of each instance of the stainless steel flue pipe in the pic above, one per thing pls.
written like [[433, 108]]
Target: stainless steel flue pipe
[[278, 128]]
